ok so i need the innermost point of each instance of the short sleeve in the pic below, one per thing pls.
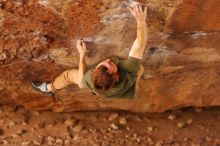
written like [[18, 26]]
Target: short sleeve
[[87, 79], [132, 65]]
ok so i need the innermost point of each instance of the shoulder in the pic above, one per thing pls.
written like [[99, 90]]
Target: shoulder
[[131, 65]]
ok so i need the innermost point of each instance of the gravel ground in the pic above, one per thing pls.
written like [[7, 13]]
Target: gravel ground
[[185, 127]]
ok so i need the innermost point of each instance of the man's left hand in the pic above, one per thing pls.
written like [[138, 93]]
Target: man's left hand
[[81, 46]]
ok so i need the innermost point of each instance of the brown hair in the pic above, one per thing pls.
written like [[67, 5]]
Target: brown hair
[[102, 79]]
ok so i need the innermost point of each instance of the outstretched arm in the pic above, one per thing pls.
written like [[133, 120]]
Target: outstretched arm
[[81, 46], [139, 44]]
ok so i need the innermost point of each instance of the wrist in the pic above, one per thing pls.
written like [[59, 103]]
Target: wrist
[[82, 55], [141, 23]]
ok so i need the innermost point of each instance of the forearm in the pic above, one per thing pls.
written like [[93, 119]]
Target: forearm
[[82, 69], [142, 34], [138, 47]]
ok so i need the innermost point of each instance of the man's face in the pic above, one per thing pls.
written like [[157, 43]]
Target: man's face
[[108, 63]]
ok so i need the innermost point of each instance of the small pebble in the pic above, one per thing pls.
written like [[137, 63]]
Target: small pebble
[[24, 123], [208, 138], [198, 109], [69, 122], [77, 128], [19, 2], [150, 140], [189, 121], [5, 142], [68, 137], [138, 139], [181, 125], [171, 137], [150, 129], [11, 124], [40, 136], [113, 116], [26, 143], [122, 120], [113, 126], [50, 139], [22, 131], [36, 113], [76, 3], [50, 125], [66, 142], [37, 142], [128, 128], [15, 136], [76, 137], [159, 144], [172, 117], [59, 141], [186, 139]]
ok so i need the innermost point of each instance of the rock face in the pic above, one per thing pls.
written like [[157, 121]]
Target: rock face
[[181, 61]]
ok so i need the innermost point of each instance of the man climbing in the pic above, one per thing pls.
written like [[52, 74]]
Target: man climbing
[[113, 77]]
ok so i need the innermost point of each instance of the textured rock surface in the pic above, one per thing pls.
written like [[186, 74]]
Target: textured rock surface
[[182, 58]]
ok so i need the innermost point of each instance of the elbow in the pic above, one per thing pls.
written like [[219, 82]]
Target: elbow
[[80, 83], [80, 86]]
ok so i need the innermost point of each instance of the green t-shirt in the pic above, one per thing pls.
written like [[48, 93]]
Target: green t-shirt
[[125, 87]]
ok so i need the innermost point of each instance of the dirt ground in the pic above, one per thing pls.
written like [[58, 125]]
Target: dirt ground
[[185, 127]]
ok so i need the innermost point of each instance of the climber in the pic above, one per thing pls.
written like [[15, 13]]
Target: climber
[[113, 77]]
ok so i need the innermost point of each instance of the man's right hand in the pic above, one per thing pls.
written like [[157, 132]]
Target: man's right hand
[[139, 13], [139, 44], [81, 46]]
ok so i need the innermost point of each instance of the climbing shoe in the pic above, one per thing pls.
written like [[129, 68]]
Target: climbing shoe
[[42, 87]]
